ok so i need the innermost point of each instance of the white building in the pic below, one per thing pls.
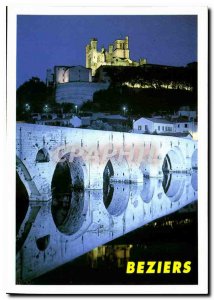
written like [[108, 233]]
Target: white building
[[43, 116], [64, 74], [185, 126], [163, 126], [76, 121], [66, 121], [78, 92], [152, 125], [185, 111]]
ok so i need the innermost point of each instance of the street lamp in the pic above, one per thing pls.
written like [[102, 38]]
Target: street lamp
[[76, 108], [46, 108], [124, 110], [27, 107]]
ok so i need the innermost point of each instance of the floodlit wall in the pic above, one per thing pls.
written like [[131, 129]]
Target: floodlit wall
[[78, 92]]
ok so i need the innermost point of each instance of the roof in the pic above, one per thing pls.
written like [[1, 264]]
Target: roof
[[183, 121], [69, 67], [184, 108], [157, 120], [86, 118], [114, 117]]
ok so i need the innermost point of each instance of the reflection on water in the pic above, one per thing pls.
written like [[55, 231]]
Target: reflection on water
[[68, 211], [22, 202], [79, 221], [116, 255], [175, 190]]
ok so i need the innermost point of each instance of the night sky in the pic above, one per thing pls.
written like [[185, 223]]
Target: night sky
[[46, 41]]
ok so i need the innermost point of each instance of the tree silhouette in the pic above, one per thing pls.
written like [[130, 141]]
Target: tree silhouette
[[31, 96]]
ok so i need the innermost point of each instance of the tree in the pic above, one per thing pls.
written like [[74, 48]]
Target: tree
[[31, 96], [100, 125], [67, 107]]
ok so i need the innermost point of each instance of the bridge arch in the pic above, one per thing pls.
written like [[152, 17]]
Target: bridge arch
[[173, 160], [42, 156], [117, 169], [61, 181], [79, 173], [75, 170]]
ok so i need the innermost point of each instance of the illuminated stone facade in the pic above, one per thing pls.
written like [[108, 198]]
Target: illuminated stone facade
[[78, 92], [65, 74], [118, 54]]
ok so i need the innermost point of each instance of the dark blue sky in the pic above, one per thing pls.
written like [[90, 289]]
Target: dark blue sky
[[45, 41]]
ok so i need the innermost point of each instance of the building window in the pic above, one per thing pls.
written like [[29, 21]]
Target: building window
[[163, 128], [139, 127], [166, 128], [178, 125], [146, 128], [185, 125]]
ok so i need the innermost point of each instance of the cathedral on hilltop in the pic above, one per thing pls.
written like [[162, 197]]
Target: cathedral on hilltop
[[77, 84], [118, 54]]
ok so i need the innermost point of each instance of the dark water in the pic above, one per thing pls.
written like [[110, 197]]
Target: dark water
[[172, 238], [88, 237]]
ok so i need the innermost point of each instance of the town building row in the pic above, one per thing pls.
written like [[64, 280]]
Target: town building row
[[183, 123]]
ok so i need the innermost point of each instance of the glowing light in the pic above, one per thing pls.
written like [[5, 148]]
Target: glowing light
[[124, 110], [27, 107], [46, 108]]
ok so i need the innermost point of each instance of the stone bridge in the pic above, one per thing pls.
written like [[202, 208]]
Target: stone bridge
[[125, 157]]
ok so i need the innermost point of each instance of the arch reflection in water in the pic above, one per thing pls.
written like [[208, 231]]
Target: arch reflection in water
[[98, 226], [194, 181], [43, 242], [116, 197], [173, 185], [194, 159], [68, 211], [148, 189]]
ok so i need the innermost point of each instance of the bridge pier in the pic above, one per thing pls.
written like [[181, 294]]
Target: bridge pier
[[95, 177], [188, 165], [152, 168], [136, 175]]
